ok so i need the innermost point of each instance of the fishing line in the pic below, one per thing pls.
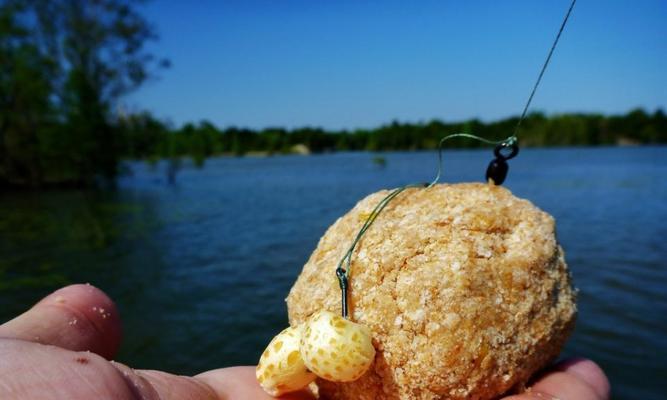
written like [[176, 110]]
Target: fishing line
[[544, 67], [495, 173]]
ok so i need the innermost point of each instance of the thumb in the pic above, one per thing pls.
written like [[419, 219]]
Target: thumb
[[76, 317]]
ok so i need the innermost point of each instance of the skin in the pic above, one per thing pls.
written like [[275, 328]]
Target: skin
[[61, 349]]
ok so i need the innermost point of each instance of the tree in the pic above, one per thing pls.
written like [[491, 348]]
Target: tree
[[25, 88], [90, 53]]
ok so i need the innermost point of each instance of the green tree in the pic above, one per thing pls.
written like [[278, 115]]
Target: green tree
[[25, 108], [88, 54], [103, 44]]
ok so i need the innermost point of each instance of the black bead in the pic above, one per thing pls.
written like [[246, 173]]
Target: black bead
[[497, 171]]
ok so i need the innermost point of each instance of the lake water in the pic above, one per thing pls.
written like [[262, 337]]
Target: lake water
[[200, 269]]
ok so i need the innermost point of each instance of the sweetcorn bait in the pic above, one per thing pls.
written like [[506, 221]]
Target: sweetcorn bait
[[281, 368], [336, 349], [330, 346]]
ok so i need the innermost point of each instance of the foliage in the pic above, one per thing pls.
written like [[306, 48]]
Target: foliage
[[147, 138], [64, 65]]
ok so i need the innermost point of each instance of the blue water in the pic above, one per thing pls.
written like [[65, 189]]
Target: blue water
[[200, 269]]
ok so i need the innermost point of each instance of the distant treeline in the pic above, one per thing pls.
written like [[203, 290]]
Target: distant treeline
[[145, 137]]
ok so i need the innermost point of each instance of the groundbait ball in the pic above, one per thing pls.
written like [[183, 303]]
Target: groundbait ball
[[464, 289], [281, 368]]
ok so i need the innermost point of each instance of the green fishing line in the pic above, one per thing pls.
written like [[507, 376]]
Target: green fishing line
[[495, 173], [345, 264]]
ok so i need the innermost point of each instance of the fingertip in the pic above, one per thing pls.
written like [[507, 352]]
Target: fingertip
[[89, 300], [77, 317], [94, 306], [589, 372], [83, 297], [241, 383], [81, 291], [574, 379], [233, 382]]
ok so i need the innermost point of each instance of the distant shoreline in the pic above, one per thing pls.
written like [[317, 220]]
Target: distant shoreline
[[143, 137], [266, 154]]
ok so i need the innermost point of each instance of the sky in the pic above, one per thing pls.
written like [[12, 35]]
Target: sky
[[360, 64]]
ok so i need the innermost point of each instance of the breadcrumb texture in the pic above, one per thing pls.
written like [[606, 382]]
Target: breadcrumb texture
[[464, 288]]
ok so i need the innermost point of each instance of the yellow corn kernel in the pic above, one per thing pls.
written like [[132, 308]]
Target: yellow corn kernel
[[335, 348], [281, 368]]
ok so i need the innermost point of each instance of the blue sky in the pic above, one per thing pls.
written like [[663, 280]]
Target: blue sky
[[358, 64]]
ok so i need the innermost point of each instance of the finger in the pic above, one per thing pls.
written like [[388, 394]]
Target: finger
[[572, 380], [224, 383], [149, 384], [76, 317], [589, 372], [34, 371], [241, 383]]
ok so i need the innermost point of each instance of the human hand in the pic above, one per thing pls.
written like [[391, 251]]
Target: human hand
[[60, 348]]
